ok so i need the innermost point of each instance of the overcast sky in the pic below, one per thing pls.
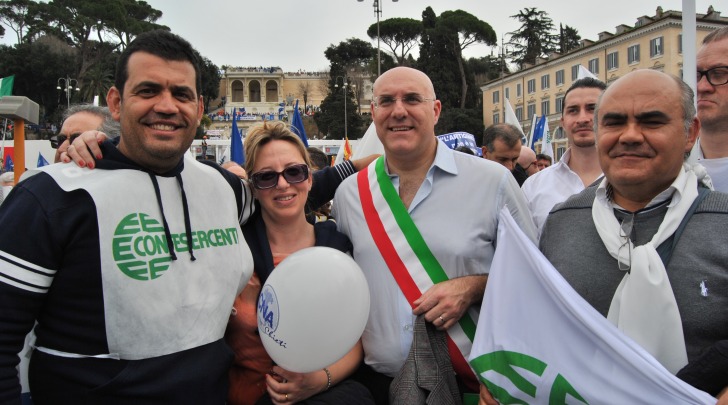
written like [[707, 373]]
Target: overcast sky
[[294, 34]]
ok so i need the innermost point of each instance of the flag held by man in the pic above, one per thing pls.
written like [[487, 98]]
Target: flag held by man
[[539, 342]]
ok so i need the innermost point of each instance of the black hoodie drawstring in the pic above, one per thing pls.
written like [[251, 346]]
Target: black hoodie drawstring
[[185, 208]]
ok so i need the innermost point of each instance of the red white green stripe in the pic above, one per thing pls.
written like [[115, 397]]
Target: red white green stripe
[[406, 253]]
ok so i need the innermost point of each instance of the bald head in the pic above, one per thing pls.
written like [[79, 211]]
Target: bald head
[[405, 112], [406, 73], [527, 160]]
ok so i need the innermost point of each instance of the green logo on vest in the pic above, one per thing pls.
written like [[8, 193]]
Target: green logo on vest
[[503, 363], [141, 251]]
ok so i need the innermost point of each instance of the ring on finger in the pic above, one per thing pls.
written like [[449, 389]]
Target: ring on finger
[[286, 397], [442, 319]]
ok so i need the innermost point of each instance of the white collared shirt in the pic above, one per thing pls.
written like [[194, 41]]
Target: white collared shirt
[[549, 187], [717, 168]]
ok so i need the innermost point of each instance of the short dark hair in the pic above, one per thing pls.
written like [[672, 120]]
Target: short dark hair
[[109, 125], [543, 156], [509, 134], [163, 44], [585, 83], [319, 160], [465, 149]]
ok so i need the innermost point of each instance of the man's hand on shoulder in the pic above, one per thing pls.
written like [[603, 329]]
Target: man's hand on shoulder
[[364, 162]]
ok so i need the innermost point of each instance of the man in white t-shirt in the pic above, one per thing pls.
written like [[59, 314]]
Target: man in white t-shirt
[[712, 149], [579, 166]]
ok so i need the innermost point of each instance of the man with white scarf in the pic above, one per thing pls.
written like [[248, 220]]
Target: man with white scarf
[[647, 246]]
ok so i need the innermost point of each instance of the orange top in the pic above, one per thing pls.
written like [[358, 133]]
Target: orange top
[[247, 374]]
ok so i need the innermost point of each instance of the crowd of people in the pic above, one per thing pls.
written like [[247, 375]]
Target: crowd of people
[[130, 304]]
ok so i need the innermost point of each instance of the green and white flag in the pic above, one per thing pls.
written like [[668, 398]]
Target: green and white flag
[[6, 86], [539, 342]]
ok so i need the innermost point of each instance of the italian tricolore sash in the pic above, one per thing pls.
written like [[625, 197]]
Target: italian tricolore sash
[[407, 255]]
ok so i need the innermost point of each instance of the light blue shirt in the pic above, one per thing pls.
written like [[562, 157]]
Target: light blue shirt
[[456, 211]]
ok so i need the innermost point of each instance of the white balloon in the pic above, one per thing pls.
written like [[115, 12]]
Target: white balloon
[[312, 309]]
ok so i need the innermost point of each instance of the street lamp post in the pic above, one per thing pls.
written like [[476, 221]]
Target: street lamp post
[[378, 12], [344, 84], [68, 86], [504, 51]]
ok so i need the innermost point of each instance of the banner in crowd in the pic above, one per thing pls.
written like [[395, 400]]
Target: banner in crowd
[[456, 139], [539, 342]]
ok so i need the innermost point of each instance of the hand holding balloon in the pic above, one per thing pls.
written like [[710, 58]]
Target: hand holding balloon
[[312, 309]]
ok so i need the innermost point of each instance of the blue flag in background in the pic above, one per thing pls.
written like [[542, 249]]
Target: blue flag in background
[[297, 125], [9, 166], [539, 131], [237, 154], [41, 161]]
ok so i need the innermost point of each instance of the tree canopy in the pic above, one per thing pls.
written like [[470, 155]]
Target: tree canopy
[[462, 30], [349, 59], [569, 38], [534, 39], [400, 35], [80, 39]]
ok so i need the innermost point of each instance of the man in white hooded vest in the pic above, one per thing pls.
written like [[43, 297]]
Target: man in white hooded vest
[[129, 270]]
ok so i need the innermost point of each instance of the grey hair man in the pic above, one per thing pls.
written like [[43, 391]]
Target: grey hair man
[[649, 251], [80, 118], [712, 75]]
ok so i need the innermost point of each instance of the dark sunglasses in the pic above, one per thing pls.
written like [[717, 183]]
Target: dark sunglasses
[[58, 140], [269, 178]]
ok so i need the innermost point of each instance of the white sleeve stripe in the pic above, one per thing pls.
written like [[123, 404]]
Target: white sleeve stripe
[[22, 286], [28, 265], [19, 274]]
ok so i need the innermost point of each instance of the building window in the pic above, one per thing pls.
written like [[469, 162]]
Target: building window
[[656, 47], [546, 107], [574, 72], [679, 43], [594, 65], [633, 54], [519, 90], [613, 60], [519, 113], [496, 117], [545, 79], [560, 152], [559, 105], [560, 77], [531, 86], [496, 97], [507, 93], [530, 110]]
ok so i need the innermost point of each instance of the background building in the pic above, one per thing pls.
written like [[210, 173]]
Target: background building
[[271, 94], [652, 43]]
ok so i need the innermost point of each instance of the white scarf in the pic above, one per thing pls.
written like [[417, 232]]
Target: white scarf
[[644, 305]]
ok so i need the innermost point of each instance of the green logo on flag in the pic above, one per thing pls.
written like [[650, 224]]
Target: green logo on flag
[[140, 247], [503, 363]]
